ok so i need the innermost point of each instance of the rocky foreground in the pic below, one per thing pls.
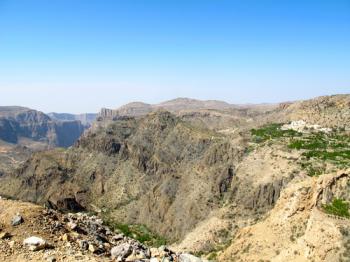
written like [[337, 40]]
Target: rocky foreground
[[32, 233]]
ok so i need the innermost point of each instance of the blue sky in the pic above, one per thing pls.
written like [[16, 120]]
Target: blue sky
[[81, 55]]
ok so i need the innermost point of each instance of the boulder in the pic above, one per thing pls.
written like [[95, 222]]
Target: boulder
[[72, 226], [51, 259], [35, 243], [17, 220], [189, 258], [121, 252], [83, 244], [5, 235], [93, 248]]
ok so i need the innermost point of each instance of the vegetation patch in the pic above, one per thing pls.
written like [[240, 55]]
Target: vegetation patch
[[139, 232], [320, 148], [272, 131], [337, 207], [320, 151]]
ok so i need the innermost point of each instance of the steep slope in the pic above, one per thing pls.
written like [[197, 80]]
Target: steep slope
[[298, 227], [327, 111], [158, 171], [200, 178], [17, 123], [278, 158]]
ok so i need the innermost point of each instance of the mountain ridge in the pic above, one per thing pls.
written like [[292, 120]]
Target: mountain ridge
[[206, 179]]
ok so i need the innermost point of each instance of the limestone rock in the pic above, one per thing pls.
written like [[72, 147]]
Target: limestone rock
[[121, 252], [17, 220], [35, 243], [5, 235], [189, 258], [51, 259]]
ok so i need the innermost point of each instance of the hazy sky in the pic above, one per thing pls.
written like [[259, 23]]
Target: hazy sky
[[81, 55]]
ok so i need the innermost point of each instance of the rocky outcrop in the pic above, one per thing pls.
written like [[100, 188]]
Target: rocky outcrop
[[298, 227], [196, 177], [326, 111], [71, 237], [8, 130], [17, 123], [152, 171]]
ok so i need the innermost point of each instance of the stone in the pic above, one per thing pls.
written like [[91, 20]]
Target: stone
[[83, 244], [136, 257], [17, 220], [35, 243], [72, 226], [118, 237], [66, 237], [5, 235], [107, 245], [12, 244], [93, 248], [154, 252], [163, 251], [189, 258], [154, 259], [121, 252], [51, 259]]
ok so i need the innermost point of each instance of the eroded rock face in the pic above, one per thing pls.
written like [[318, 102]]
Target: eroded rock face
[[169, 171], [8, 130], [157, 171], [297, 228], [18, 122], [66, 204], [266, 195]]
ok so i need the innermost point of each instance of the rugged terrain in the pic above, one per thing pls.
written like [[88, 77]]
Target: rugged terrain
[[23, 131], [18, 123], [32, 233], [228, 183]]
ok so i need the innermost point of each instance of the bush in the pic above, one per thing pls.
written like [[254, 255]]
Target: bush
[[338, 208], [142, 234], [272, 131]]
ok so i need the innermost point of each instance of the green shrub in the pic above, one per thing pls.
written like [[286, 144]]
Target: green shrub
[[272, 131], [326, 155], [338, 208], [142, 234], [212, 256]]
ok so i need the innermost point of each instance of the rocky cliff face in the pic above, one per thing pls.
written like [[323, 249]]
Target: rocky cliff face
[[204, 180], [157, 170], [8, 130], [298, 228], [17, 123]]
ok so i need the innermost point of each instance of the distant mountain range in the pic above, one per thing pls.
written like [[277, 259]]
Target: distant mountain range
[[179, 105], [85, 119]]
